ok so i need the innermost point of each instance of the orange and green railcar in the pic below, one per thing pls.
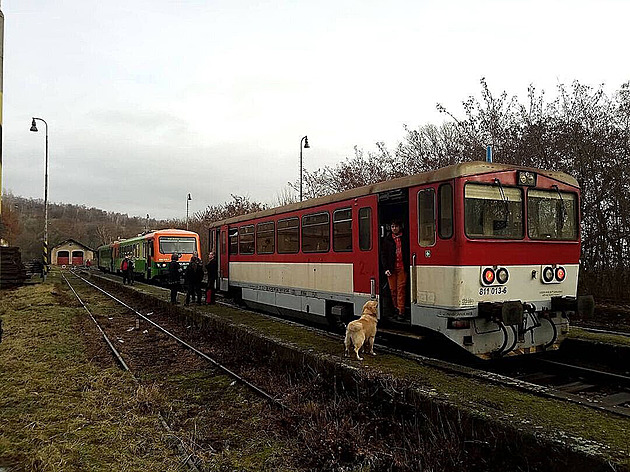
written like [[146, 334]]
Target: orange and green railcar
[[151, 252]]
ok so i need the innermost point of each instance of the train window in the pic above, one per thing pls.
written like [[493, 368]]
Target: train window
[[233, 240], [493, 211], [265, 237], [174, 244], [246, 239], [426, 217], [445, 210], [316, 232], [342, 230], [288, 236], [551, 215], [365, 229], [223, 242]]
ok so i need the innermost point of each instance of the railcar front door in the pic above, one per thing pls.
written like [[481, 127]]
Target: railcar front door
[[223, 262]]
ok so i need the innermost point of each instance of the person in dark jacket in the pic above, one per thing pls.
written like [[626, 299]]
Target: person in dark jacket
[[212, 268], [193, 277], [173, 277], [394, 261], [124, 267], [130, 268]]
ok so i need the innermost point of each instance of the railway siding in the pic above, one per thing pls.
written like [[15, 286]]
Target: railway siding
[[554, 434]]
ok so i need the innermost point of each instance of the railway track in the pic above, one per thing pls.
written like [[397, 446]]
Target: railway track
[[259, 391], [592, 388]]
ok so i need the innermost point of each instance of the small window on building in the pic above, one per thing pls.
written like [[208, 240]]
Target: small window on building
[[342, 230], [265, 238], [426, 217], [445, 208], [288, 236], [316, 232], [233, 238], [246, 239], [365, 229]]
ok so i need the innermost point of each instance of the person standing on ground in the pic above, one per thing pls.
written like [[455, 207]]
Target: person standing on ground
[[123, 268], [212, 269], [130, 268], [189, 280], [393, 259], [173, 277], [198, 279]]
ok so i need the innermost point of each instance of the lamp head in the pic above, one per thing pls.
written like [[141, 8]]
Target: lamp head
[[189, 197], [306, 146], [33, 126]]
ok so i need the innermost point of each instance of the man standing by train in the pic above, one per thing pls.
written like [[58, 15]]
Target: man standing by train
[[173, 277], [393, 259]]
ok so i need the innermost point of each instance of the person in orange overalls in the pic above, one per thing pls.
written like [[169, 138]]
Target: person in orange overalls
[[394, 260]]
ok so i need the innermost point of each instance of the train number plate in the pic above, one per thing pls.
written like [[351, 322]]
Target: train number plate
[[492, 290]]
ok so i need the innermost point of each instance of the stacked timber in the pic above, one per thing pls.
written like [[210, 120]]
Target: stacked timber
[[12, 272]]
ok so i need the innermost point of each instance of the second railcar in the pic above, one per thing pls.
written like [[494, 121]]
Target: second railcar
[[151, 252]]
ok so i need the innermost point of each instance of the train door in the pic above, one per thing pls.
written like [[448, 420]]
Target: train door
[[433, 250], [223, 262], [149, 254], [393, 206]]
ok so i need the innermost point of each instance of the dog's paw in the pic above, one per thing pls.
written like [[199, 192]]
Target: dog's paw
[[359, 358], [372, 353]]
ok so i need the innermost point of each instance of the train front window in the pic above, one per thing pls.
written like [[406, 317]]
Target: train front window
[[493, 211], [552, 215], [172, 245]]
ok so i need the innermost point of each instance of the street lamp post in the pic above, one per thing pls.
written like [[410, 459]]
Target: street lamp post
[[45, 253], [187, 200], [303, 144]]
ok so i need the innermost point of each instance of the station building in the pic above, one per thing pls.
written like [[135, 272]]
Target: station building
[[71, 252]]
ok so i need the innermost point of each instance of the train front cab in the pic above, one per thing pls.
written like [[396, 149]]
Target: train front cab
[[494, 262], [161, 245]]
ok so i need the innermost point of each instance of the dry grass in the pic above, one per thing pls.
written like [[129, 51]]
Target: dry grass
[[57, 410]]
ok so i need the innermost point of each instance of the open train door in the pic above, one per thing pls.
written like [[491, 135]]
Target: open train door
[[393, 205], [223, 261]]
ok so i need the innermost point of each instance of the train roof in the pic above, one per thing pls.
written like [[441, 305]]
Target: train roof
[[445, 173]]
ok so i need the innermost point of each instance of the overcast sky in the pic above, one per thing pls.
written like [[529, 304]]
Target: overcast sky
[[147, 101]]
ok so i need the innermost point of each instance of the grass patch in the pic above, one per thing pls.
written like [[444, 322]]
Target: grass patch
[[57, 410]]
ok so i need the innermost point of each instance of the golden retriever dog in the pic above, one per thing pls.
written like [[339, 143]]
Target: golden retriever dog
[[361, 332]]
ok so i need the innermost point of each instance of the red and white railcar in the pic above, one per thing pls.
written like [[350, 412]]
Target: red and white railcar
[[494, 255]]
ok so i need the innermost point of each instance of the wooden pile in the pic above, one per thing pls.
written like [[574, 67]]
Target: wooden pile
[[12, 272]]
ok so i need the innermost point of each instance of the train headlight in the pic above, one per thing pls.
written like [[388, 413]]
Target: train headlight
[[487, 276], [548, 274], [502, 275], [561, 274], [526, 178]]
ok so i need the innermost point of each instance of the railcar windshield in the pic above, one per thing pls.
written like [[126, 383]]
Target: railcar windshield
[[493, 211], [552, 215], [179, 245]]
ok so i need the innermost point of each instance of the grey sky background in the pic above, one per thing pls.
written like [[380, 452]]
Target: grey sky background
[[147, 101]]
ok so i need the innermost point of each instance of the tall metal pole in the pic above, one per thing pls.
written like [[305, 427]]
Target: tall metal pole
[[187, 200], [1, 89], [45, 248], [303, 141]]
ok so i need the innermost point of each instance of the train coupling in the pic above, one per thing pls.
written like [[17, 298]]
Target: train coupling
[[509, 313]]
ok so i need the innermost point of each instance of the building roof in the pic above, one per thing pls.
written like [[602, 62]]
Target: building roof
[[73, 241]]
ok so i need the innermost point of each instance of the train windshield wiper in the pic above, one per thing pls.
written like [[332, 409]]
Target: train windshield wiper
[[563, 209], [506, 212]]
